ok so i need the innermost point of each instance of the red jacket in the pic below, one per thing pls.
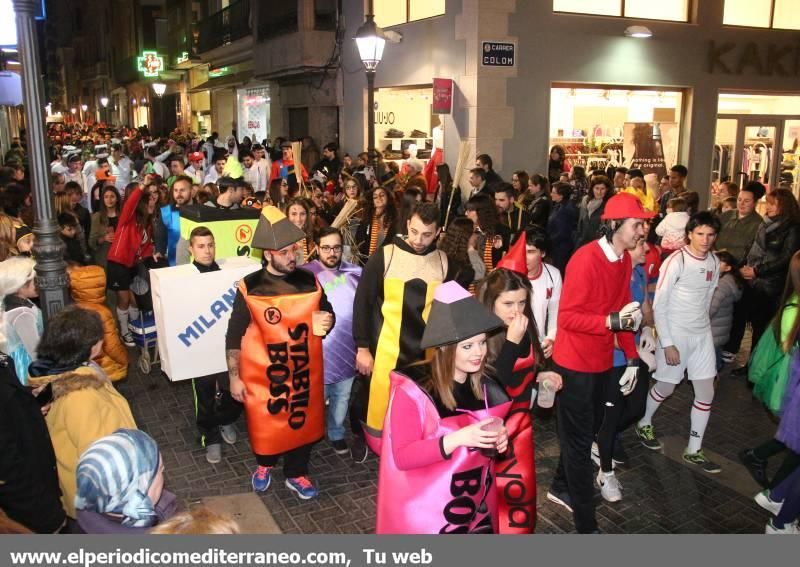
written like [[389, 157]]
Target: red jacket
[[593, 288], [132, 242]]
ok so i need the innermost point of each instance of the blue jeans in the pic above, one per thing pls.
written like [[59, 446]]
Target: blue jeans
[[337, 398]]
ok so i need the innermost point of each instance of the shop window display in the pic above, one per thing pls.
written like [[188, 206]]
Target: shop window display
[[671, 10], [254, 109], [601, 128], [404, 124], [757, 138]]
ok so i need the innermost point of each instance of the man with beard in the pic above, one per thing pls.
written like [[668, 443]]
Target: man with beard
[[274, 354], [339, 280], [217, 167], [595, 312], [391, 308], [167, 229]]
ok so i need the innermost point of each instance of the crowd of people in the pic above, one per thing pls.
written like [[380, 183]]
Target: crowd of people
[[425, 317]]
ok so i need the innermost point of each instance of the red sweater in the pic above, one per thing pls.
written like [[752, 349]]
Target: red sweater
[[131, 242], [593, 288]]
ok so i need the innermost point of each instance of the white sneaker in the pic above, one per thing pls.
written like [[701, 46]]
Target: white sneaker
[[787, 529], [763, 500], [610, 487], [596, 456]]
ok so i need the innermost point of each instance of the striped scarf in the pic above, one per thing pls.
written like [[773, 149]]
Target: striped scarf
[[374, 231], [114, 475]]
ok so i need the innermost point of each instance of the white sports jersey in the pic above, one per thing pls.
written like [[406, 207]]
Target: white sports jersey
[[544, 303], [686, 284]]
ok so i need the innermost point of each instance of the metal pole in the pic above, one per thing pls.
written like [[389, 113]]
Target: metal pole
[[371, 118], [51, 276]]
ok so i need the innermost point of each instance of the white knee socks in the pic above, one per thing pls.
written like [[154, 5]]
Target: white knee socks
[[658, 393], [122, 317], [701, 411]]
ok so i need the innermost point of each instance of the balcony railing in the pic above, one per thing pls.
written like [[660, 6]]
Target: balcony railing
[[225, 26]]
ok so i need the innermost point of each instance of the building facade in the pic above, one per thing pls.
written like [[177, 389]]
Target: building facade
[[708, 89]]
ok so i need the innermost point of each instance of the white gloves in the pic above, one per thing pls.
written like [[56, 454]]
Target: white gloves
[[628, 381], [647, 340], [626, 319], [647, 348]]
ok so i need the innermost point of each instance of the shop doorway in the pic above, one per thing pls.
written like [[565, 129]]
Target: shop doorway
[[757, 139]]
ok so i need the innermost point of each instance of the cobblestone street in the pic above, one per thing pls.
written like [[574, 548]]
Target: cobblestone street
[[661, 494]]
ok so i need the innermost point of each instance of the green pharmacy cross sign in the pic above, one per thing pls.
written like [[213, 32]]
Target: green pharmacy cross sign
[[150, 63]]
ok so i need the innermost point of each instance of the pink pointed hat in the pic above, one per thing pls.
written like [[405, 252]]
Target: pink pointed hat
[[455, 316]]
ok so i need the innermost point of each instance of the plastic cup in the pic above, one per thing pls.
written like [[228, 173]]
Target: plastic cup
[[317, 323], [547, 394], [495, 425]]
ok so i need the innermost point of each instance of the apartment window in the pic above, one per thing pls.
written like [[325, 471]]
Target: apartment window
[[778, 14], [394, 12], [671, 10], [324, 14]]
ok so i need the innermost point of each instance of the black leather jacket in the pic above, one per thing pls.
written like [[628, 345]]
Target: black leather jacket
[[780, 244]]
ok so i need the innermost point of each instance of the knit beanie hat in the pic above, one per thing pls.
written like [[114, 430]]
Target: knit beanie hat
[[114, 475]]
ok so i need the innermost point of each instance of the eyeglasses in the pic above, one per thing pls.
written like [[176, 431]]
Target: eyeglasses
[[326, 249]]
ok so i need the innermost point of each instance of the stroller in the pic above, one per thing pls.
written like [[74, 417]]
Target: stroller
[[143, 328]]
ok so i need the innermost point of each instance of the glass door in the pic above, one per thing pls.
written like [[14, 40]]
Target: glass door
[[722, 164], [789, 175], [760, 155]]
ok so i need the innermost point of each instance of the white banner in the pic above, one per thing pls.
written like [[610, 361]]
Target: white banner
[[192, 312]]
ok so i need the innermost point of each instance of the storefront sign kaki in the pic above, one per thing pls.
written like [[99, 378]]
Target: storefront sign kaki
[[754, 59]]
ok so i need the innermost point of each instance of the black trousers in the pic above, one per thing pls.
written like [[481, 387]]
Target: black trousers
[[756, 307], [615, 412], [763, 308], [295, 462], [740, 315], [359, 399], [213, 408], [575, 415]]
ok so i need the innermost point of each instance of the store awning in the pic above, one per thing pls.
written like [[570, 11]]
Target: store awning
[[232, 80]]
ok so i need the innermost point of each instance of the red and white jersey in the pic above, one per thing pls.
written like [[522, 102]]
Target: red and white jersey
[[685, 287], [546, 294]]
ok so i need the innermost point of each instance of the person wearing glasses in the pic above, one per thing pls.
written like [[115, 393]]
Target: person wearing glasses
[[274, 354], [339, 279]]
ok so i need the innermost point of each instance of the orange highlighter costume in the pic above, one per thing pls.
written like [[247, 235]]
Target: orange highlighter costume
[[280, 357]]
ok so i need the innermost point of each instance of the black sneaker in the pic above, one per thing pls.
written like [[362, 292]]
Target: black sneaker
[[560, 498], [755, 466], [358, 450], [619, 456], [339, 446]]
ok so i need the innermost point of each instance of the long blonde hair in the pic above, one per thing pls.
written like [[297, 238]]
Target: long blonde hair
[[8, 241], [15, 273], [443, 368], [199, 520]]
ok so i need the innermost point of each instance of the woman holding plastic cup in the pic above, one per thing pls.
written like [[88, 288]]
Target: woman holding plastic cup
[[431, 480], [514, 352]]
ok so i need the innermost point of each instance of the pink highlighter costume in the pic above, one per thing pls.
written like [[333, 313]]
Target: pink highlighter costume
[[420, 489]]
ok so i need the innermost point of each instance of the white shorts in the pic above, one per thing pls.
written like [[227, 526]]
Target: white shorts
[[698, 359]]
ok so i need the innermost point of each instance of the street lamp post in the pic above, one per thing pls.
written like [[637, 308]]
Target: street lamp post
[[160, 89], [51, 276], [370, 42], [104, 103]]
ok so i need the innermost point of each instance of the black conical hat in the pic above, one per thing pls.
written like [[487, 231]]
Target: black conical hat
[[455, 316], [274, 231]]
